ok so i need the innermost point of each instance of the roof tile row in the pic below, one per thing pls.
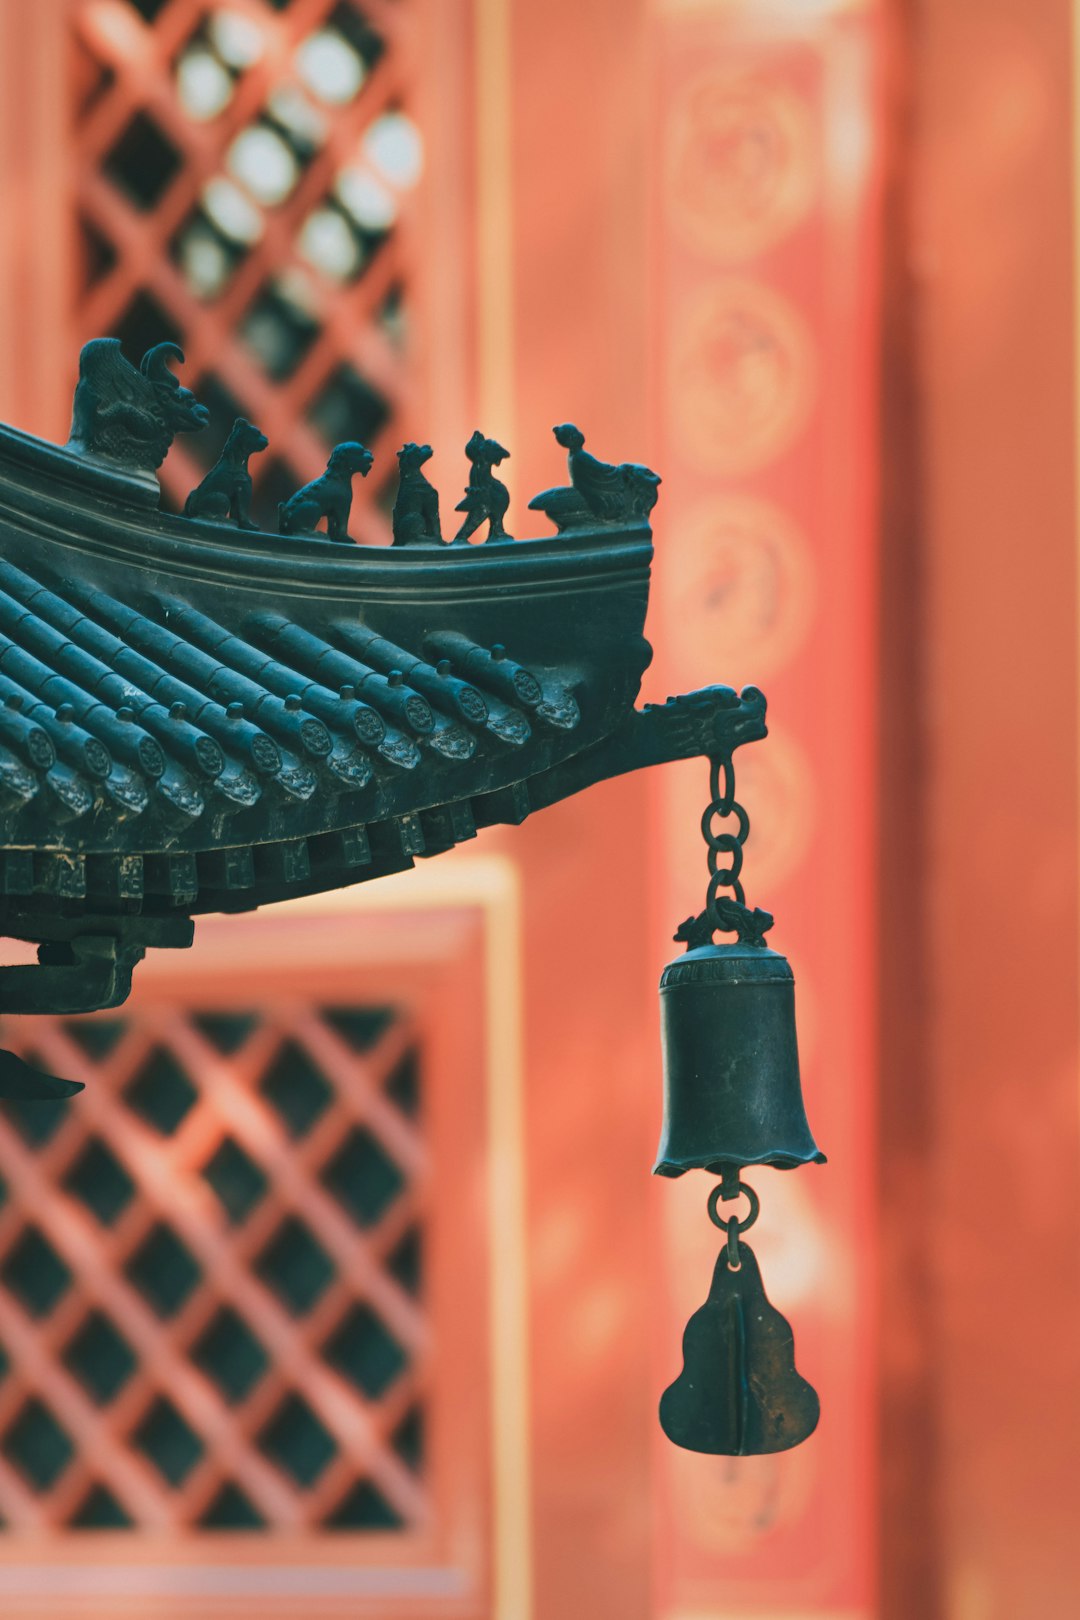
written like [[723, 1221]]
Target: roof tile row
[[110, 710]]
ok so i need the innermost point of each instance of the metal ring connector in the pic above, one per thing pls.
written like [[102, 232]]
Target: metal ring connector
[[733, 1223]]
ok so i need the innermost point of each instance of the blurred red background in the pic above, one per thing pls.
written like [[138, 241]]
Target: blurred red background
[[350, 1293]]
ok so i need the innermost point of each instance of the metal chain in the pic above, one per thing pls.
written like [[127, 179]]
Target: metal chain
[[724, 913], [723, 807]]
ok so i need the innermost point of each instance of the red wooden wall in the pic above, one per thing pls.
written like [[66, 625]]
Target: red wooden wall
[[816, 263], [566, 262]]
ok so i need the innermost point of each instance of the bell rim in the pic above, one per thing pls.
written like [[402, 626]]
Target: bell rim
[[772, 1160]]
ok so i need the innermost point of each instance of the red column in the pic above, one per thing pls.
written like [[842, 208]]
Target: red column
[[766, 167], [580, 332], [996, 200], [37, 362]]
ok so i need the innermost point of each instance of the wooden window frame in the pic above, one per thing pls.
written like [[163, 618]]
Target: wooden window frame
[[450, 940]]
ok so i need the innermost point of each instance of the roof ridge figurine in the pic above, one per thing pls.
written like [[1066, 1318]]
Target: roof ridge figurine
[[415, 520], [131, 416], [329, 496], [599, 493], [486, 497], [226, 489]]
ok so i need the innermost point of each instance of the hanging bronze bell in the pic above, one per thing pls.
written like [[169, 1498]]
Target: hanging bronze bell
[[732, 1092]]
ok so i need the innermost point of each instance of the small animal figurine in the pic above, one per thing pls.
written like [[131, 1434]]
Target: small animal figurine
[[599, 493], [130, 416], [329, 496], [485, 497], [416, 511], [226, 489], [730, 917], [695, 932]]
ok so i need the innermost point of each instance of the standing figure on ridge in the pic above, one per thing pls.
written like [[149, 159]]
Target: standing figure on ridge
[[486, 496]]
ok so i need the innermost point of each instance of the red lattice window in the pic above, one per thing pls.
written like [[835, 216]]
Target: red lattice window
[[250, 1198], [243, 182], [231, 1298]]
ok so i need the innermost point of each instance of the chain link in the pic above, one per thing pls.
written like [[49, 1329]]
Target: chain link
[[725, 769]]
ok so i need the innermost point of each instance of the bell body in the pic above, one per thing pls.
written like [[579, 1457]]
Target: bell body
[[732, 1092]]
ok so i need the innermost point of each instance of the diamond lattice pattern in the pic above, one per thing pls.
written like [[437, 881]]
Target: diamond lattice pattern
[[243, 186], [211, 1308]]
